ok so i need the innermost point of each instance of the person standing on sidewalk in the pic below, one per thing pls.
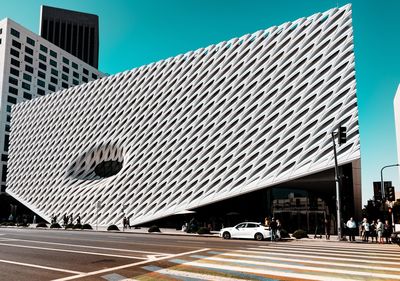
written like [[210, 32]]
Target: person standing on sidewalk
[[379, 231], [273, 227], [387, 231], [367, 230], [327, 225], [352, 227]]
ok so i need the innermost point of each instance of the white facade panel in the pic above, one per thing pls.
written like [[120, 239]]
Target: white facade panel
[[220, 121]]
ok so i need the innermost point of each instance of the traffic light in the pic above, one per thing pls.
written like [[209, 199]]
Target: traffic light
[[342, 134], [377, 191], [389, 193]]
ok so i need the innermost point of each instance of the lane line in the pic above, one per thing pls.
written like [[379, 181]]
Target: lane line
[[93, 247], [312, 256], [275, 258], [129, 265], [73, 251], [304, 267], [41, 267]]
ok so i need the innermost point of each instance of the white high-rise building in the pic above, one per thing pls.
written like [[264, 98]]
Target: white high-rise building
[[30, 67], [250, 118]]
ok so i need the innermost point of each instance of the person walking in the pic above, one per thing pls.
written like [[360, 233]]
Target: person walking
[[379, 231], [273, 227], [366, 230], [387, 231], [327, 226], [352, 228]]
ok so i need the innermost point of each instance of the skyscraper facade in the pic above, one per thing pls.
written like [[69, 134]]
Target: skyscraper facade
[[32, 67], [75, 32], [248, 119]]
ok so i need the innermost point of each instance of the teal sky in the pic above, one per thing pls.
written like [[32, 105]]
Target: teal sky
[[133, 33]]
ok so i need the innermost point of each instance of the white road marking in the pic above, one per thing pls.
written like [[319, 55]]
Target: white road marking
[[313, 256], [41, 267], [73, 251], [359, 247], [128, 265], [371, 255], [93, 247], [311, 268], [275, 258], [266, 272], [200, 276]]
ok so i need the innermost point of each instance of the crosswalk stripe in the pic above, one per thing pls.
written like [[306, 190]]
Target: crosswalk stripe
[[358, 248], [325, 252], [305, 255], [275, 258], [310, 268]]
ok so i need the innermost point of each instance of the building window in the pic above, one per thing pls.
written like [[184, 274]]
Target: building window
[[14, 52], [13, 81], [8, 118], [65, 60], [8, 129], [41, 92], [54, 72], [42, 57], [75, 82], [76, 74], [84, 79], [65, 69], [8, 108], [15, 62], [12, 90], [64, 77], [53, 63], [28, 59], [74, 65], [4, 174], [4, 157], [30, 41], [26, 86], [14, 71], [41, 83], [64, 85], [29, 68], [13, 101], [53, 54], [43, 48], [42, 66], [16, 44], [52, 88], [29, 50], [85, 71], [6, 142], [14, 32], [27, 96], [53, 80], [27, 77], [41, 74], [94, 76]]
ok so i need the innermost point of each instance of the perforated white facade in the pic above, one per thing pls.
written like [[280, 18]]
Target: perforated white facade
[[208, 125]]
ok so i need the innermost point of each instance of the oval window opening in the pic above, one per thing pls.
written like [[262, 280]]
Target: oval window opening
[[108, 168]]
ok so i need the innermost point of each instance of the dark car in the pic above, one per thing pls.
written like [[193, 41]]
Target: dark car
[[396, 237]]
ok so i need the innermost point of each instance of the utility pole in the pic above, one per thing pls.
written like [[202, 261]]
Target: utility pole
[[342, 139]]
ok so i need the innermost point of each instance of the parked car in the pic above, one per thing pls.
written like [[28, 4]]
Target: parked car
[[249, 230], [396, 237]]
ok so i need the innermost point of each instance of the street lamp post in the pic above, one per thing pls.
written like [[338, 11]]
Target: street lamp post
[[383, 188], [339, 216]]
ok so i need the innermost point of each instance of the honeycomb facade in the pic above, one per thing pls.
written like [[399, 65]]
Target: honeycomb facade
[[191, 130]]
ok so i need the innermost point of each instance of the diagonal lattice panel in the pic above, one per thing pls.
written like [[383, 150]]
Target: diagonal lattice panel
[[184, 132]]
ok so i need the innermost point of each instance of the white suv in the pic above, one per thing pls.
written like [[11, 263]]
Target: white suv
[[250, 230]]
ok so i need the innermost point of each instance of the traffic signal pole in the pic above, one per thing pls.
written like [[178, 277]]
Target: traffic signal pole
[[383, 188]]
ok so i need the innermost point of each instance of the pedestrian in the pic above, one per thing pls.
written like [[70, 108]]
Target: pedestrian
[[124, 223], [34, 219], [71, 218], [366, 230], [372, 232], [387, 231], [78, 219], [352, 228], [278, 229], [65, 220], [11, 218], [317, 233], [267, 221], [273, 227], [128, 222], [327, 225], [379, 231]]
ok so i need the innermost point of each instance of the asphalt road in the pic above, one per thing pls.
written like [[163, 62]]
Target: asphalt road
[[31, 254]]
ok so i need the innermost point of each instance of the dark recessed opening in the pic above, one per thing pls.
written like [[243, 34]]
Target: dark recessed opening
[[108, 168]]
